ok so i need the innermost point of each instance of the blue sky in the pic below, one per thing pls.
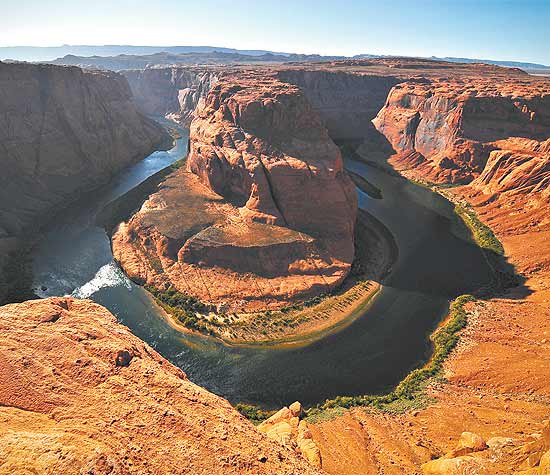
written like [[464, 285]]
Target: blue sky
[[492, 29]]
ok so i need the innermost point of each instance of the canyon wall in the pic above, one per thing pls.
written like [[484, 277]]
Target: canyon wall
[[110, 404], [171, 92], [266, 215], [446, 128], [347, 102], [63, 131]]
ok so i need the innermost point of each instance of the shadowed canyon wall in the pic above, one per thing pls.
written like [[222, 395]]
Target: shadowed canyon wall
[[63, 131], [171, 92], [346, 102]]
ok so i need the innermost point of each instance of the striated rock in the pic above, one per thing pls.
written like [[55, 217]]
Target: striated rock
[[273, 211], [63, 132], [79, 411]]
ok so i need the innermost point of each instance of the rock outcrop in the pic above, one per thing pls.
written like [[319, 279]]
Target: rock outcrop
[[171, 92], [274, 213], [473, 455], [80, 394], [63, 131], [286, 428]]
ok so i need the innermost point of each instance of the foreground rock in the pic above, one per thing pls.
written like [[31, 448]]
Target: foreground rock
[[267, 214], [63, 132], [286, 428], [80, 394], [474, 456]]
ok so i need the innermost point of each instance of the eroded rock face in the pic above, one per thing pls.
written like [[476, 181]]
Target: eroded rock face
[[171, 92], [277, 211], [80, 394], [446, 128], [63, 131]]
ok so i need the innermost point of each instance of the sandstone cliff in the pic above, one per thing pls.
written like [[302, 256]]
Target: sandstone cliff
[[171, 92], [63, 131], [107, 403], [445, 128], [273, 215]]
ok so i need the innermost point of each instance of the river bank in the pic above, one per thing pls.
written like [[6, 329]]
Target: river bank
[[309, 321]]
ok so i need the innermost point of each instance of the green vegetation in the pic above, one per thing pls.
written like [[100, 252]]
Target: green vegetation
[[184, 307], [482, 234], [253, 413]]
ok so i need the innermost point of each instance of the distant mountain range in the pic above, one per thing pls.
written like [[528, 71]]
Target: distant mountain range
[[130, 57], [49, 53], [507, 64], [126, 61]]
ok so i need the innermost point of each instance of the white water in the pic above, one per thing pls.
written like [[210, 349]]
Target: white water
[[109, 275]]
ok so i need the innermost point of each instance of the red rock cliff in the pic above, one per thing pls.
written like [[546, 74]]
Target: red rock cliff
[[447, 127]]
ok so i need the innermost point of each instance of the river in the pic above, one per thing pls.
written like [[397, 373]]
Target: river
[[370, 355]]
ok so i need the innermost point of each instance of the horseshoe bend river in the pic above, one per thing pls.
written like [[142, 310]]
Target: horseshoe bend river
[[370, 355]]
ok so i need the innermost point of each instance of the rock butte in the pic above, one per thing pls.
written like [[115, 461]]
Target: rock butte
[[434, 121], [272, 212]]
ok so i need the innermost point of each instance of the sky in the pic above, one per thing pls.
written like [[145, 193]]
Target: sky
[[487, 29]]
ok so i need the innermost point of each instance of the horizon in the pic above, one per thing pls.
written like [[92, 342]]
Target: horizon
[[243, 51], [467, 29]]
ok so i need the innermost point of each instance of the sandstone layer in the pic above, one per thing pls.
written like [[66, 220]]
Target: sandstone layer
[[63, 131], [109, 404], [274, 215]]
